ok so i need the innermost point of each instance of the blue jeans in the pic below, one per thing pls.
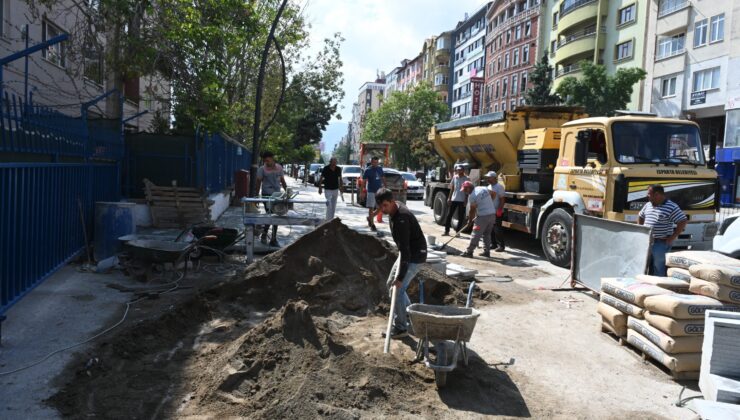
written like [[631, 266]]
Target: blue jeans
[[400, 321], [660, 248]]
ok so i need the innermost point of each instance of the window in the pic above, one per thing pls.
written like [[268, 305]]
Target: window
[[525, 54], [627, 14], [717, 32], [499, 63], [521, 101], [503, 106], [518, 32], [513, 104], [516, 57], [624, 50], [495, 107], [670, 6], [528, 29], [668, 87], [706, 79], [498, 85], [505, 89], [441, 43], [670, 46], [55, 53], [506, 61], [555, 20], [700, 33], [524, 82], [514, 84], [93, 70], [553, 46], [508, 36]]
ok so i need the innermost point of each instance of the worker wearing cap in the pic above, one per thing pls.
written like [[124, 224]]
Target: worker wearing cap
[[456, 200], [498, 194], [482, 217]]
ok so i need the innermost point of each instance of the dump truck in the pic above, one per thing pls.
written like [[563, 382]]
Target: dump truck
[[555, 162]]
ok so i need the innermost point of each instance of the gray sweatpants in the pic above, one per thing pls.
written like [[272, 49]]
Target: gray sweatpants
[[482, 228], [331, 203]]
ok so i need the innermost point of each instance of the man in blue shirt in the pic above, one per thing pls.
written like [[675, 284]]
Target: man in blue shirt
[[661, 214], [373, 177]]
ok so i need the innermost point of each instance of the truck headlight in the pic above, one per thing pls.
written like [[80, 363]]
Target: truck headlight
[[710, 230]]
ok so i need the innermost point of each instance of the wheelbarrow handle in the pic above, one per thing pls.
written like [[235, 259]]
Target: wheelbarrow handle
[[469, 302]]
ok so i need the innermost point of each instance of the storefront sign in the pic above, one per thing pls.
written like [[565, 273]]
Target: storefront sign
[[477, 85], [698, 98]]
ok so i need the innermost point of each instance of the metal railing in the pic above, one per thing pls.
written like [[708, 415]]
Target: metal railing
[[586, 33], [670, 54], [574, 5], [666, 8]]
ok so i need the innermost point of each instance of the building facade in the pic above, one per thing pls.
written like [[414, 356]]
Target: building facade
[[64, 75], [468, 58], [441, 65], [512, 48], [607, 32], [369, 99]]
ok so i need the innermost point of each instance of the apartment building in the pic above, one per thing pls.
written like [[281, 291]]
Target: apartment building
[[66, 75], [391, 82], [436, 53], [468, 64], [607, 32], [410, 73], [512, 48], [369, 99]]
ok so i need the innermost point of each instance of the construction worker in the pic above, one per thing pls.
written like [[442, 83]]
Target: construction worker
[[374, 180], [456, 200], [482, 217], [331, 181], [498, 194], [661, 214], [412, 247], [270, 178]]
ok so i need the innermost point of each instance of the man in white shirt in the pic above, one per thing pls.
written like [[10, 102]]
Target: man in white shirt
[[482, 217], [456, 200], [498, 194]]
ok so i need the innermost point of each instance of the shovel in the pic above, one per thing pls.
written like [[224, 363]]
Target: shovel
[[440, 247]]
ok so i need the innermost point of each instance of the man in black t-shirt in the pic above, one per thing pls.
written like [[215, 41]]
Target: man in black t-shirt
[[331, 180]]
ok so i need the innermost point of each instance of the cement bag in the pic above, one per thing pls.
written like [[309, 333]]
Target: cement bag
[[623, 306], [670, 283], [670, 345], [679, 273], [630, 290], [684, 362], [676, 327], [724, 293], [685, 306], [685, 259], [614, 317], [605, 326], [726, 275]]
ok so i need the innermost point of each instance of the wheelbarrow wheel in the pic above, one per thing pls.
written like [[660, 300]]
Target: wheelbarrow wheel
[[440, 377]]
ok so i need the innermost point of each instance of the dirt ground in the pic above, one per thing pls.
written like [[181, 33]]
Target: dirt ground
[[298, 335]]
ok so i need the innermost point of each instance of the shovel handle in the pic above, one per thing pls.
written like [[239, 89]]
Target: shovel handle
[[387, 345]]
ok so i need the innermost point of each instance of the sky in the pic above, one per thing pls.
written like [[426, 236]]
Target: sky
[[378, 35]]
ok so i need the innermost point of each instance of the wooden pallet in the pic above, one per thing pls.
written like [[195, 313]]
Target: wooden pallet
[[176, 207]]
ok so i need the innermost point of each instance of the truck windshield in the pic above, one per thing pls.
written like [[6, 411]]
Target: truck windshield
[[657, 142]]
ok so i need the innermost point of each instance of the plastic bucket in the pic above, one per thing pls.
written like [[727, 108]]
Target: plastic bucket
[[431, 240]]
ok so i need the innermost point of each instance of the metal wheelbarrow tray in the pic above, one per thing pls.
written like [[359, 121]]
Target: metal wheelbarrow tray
[[153, 251], [437, 325]]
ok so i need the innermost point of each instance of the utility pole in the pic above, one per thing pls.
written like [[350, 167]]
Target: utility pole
[[256, 135]]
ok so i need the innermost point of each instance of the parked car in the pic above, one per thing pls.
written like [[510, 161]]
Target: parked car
[[394, 181], [350, 175], [727, 240], [414, 187], [312, 171]]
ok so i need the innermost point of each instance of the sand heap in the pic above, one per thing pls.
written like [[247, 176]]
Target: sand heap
[[267, 345]]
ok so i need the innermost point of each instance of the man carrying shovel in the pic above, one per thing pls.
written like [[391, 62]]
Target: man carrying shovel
[[482, 215], [412, 247]]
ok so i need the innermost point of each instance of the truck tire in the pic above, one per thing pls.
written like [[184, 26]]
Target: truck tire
[[556, 237], [439, 206]]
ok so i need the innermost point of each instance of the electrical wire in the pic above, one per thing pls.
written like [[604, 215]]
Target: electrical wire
[[681, 402]]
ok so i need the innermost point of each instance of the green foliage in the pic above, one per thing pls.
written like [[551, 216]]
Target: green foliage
[[541, 79], [598, 92], [342, 152], [404, 120]]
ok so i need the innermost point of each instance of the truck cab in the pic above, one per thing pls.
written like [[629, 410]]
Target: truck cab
[[605, 166]]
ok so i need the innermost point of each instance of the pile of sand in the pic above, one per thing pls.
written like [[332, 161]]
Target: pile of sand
[[267, 345]]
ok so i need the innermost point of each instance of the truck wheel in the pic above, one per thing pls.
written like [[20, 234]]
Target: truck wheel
[[556, 237], [440, 207]]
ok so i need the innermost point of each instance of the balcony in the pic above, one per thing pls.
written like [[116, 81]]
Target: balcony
[[442, 55], [519, 17], [670, 22], [671, 7], [441, 87], [576, 44], [567, 70], [442, 70], [578, 12]]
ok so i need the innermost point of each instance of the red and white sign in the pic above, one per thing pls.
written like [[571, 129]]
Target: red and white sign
[[477, 85]]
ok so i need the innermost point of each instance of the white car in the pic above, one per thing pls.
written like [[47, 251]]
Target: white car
[[727, 240], [350, 174], [414, 188]]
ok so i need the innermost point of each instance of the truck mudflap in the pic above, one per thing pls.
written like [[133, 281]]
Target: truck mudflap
[[698, 236]]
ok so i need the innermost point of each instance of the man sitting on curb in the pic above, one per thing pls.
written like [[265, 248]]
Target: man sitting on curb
[[412, 246], [483, 215]]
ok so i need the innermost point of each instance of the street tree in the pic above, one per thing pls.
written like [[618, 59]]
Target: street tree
[[541, 79], [404, 120], [598, 92]]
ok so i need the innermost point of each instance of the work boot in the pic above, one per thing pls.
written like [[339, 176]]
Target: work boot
[[397, 333], [467, 254], [499, 249], [447, 232], [263, 238], [486, 254]]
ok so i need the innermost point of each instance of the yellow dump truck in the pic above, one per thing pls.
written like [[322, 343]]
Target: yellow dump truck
[[555, 162]]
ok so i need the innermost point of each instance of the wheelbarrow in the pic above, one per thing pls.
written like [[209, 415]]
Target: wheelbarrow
[[438, 326], [143, 257]]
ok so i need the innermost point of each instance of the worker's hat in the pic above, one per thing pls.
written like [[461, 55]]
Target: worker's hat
[[466, 184], [491, 174]]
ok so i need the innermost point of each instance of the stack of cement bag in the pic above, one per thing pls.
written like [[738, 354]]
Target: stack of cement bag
[[625, 297], [711, 274]]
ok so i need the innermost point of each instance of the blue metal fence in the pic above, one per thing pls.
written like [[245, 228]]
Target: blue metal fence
[[40, 218], [218, 158]]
